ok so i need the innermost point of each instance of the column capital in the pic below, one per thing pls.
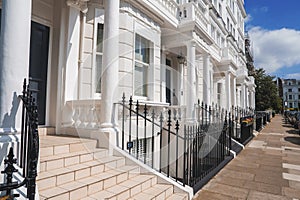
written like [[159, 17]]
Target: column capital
[[78, 4], [205, 55], [190, 43]]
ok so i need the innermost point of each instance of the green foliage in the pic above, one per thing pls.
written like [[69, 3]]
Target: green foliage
[[266, 95]]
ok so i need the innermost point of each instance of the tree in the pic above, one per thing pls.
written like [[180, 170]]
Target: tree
[[266, 96]]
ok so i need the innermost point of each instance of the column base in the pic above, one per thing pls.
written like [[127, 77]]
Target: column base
[[106, 137]]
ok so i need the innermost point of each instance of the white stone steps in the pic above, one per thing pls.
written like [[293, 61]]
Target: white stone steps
[[78, 189], [69, 159], [73, 168], [156, 192], [56, 145], [178, 196], [126, 189], [55, 177]]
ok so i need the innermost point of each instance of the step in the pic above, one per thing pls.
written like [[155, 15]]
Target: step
[[56, 145], [83, 187], [68, 159], [158, 191], [46, 130], [178, 196], [128, 188], [56, 177]]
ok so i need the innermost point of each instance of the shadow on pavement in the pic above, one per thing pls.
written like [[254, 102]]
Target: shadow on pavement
[[294, 140]]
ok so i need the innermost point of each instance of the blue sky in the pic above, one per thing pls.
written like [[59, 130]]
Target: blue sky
[[274, 29]]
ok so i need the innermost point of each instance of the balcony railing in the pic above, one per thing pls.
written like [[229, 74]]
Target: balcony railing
[[191, 12], [169, 5]]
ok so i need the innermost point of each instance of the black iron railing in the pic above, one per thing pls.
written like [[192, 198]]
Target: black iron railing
[[242, 124], [185, 151], [29, 150]]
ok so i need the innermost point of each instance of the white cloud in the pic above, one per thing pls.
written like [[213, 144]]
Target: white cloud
[[275, 49], [248, 19], [293, 76]]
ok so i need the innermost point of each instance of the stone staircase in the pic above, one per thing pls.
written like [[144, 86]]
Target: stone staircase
[[73, 168]]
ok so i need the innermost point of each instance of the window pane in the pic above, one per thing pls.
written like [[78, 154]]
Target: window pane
[[141, 49], [140, 74], [100, 37], [98, 73]]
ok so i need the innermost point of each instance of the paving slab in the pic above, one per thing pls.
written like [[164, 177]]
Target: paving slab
[[268, 168]]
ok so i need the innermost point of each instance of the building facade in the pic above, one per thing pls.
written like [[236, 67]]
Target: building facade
[[291, 94], [87, 53], [81, 56]]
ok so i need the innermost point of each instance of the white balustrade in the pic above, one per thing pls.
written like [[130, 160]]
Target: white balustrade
[[191, 12], [84, 113]]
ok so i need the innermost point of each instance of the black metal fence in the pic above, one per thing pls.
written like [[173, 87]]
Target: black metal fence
[[242, 124], [29, 150], [262, 118], [186, 151]]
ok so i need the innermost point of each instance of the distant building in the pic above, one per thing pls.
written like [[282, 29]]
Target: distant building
[[291, 94]]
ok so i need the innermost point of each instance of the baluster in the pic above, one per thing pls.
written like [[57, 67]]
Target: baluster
[[160, 142], [169, 139], [137, 129], [90, 117], [177, 128], [184, 157], [123, 120], [152, 145], [145, 133], [130, 116], [202, 113]]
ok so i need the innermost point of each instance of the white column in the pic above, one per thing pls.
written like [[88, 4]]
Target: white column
[[181, 92], [243, 97], [206, 80], [109, 85], [190, 94], [14, 59], [234, 92], [228, 90]]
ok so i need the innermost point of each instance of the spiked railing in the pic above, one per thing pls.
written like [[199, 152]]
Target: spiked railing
[[187, 152], [29, 150]]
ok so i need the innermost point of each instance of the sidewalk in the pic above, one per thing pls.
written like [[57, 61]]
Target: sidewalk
[[268, 168]]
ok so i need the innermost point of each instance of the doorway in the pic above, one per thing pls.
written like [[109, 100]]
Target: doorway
[[38, 66]]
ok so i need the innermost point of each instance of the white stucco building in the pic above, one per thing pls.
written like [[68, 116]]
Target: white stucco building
[[159, 51], [81, 55], [291, 94]]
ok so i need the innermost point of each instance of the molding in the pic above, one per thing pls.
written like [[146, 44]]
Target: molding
[[80, 5]]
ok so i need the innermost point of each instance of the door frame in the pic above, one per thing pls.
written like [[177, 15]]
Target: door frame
[[50, 73]]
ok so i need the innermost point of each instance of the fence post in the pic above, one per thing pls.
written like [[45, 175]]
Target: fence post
[[123, 120], [145, 132], [169, 140], [130, 116], [177, 128], [137, 129]]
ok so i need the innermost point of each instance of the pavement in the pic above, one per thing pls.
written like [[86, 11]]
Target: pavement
[[267, 169]]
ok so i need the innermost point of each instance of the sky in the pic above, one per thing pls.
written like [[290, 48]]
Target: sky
[[274, 30]]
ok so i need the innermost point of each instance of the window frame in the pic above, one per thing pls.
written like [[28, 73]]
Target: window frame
[[145, 65], [98, 19]]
